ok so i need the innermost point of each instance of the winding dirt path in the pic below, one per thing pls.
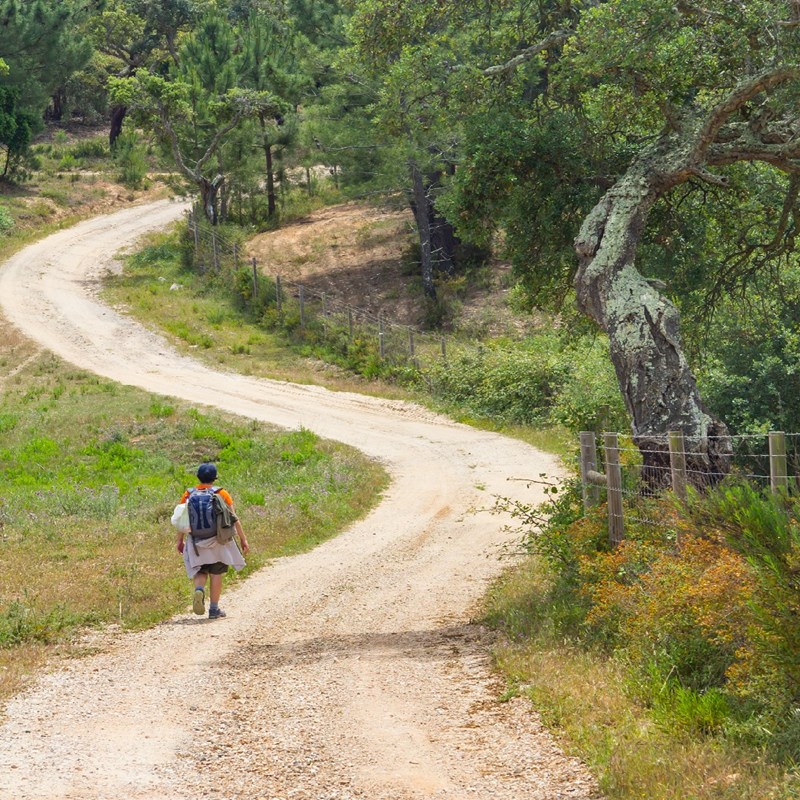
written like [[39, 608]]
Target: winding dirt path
[[348, 672]]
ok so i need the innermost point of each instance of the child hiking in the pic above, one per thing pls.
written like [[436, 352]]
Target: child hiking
[[205, 557]]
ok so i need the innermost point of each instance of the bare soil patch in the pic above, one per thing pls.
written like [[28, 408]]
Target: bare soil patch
[[365, 256]]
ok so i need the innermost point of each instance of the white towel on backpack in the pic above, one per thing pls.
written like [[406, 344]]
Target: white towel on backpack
[[210, 551]]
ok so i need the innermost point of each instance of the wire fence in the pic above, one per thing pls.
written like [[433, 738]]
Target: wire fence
[[633, 476], [324, 316]]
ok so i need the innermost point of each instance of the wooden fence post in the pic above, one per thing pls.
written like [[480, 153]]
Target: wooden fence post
[[616, 521], [677, 463], [591, 492], [778, 473], [278, 299], [255, 280], [350, 322], [214, 248], [324, 315], [196, 233], [411, 343], [381, 342], [302, 307]]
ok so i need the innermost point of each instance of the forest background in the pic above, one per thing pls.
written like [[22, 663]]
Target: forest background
[[661, 138]]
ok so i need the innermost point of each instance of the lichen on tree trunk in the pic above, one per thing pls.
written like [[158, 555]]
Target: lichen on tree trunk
[[643, 327]]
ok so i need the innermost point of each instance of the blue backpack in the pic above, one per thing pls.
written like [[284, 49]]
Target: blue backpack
[[202, 512]]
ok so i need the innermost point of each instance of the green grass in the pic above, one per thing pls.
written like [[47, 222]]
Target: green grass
[[636, 752], [91, 473], [204, 317]]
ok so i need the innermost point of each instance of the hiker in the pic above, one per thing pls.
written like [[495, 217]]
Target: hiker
[[205, 558]]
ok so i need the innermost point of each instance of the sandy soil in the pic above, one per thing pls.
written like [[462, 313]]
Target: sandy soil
[[350, 672]]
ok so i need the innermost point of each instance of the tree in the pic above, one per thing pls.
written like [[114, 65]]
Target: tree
[[269, 64], [661, 96], [406, 50], [137, 34], [199, 106], [40, 47]]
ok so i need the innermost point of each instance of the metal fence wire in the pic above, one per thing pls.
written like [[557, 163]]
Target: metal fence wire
[[630, 486], [324, 315]]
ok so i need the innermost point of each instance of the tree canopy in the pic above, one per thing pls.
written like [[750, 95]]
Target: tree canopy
[[635, 159]]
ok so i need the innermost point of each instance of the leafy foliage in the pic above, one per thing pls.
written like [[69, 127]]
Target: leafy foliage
[[702, 609]]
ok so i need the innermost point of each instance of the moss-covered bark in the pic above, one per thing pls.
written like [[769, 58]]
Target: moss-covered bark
[[643, 326]]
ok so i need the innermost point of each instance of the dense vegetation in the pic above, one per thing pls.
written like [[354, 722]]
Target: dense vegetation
[[503, 125], [690, 625]]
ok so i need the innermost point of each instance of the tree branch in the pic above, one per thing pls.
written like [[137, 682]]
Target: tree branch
[[742, 94], [553, 39]]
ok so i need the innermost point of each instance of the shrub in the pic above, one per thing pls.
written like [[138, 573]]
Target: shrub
[[6, 220], [131, 158]]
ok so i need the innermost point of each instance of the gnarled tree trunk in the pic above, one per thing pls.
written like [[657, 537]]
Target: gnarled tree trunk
[[209, 195], [643, 327]]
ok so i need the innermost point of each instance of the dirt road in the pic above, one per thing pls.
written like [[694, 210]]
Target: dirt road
[[348, 672]]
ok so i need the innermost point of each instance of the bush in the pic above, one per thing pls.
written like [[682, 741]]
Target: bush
[[131, 158], [510, 384], [6, 220], [703, 609]]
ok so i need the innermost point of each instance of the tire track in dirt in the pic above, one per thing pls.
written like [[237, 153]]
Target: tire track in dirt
[[348, 672]]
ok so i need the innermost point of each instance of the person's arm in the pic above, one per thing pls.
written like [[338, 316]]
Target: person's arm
[[245, 546], [179, 544]]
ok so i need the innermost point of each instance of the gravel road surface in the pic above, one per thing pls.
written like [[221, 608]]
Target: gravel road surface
[[352, 671]]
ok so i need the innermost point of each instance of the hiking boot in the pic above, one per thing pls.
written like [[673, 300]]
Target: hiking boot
[[216, 613], [199, 601]]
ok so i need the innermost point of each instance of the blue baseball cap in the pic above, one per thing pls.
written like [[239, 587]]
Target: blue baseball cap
[[206, 473]]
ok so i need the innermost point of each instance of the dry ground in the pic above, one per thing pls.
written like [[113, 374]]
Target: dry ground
[[364, 255]]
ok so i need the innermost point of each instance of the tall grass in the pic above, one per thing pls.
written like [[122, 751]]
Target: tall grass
[[91, 471]]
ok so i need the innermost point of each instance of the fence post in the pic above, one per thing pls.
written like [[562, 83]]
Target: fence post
[[616, 522], [778, 477], [677, 463], [350, 322], [324, 315], [255, 280], [591, 493], [196, 233], [302, 307], [214, 247], [411, 343], [278, 300], [381, 342]]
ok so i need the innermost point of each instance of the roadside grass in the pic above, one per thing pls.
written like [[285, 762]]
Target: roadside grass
[[91, 472], [204, 316], [586, 699], [72, 178]]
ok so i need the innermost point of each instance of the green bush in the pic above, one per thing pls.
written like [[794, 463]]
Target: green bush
[[511, 384], [6, 220], [131, 158]]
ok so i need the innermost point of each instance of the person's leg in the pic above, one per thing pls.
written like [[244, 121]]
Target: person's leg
[[199, 594], [216, 589], [214, 611]]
